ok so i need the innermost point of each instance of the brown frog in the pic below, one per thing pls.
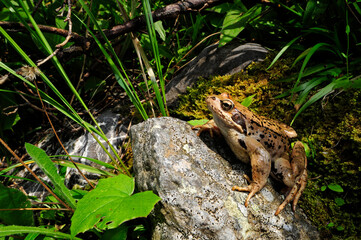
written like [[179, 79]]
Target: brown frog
[[262, 142]]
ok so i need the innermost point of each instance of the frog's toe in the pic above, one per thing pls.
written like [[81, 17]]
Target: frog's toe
[[288, 199], [247, 178], [302, 182], [252, 189]]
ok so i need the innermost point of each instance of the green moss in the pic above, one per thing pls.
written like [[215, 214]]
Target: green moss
[[254, 80], [331, 127]]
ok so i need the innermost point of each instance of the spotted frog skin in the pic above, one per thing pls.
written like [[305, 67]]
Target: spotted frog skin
[[262, 142]]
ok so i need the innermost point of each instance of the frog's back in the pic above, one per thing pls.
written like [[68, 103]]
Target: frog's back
[[274, 136]]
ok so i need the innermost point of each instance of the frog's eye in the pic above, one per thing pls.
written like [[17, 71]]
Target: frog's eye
[[227, 105]]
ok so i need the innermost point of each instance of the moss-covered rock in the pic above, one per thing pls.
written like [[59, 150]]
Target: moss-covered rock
[[331, 128]]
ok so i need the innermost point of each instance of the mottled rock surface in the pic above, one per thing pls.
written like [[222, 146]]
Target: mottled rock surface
[[195, 184], [214, 61]]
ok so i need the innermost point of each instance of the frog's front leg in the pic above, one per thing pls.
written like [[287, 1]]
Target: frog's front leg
[[261, 167], [208, 126], [294, 175]]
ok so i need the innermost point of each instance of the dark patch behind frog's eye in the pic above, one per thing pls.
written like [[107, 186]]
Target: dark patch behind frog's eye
[[227, 105], [242, 143], [238, 118]]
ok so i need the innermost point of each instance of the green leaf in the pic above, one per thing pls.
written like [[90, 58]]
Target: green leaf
[[111, 205], [335, 187], [13, 198], [85, 168], [159, 93], [11, 230], [48, 167], [283, 50], [314, 10], [339, 201], [331, 224], [60, 23], [198, 122], [310, 53], [324, 91], [160, 29], [235, 21], [306, 147], [307, 87], [119, 233], [248, 100], [340, 228], [323, 188]]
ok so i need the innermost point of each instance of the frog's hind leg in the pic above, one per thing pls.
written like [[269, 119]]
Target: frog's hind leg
[[295, 193], [294, 175], [261, 168]]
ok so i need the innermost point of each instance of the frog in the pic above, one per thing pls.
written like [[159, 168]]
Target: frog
[[261, 142]]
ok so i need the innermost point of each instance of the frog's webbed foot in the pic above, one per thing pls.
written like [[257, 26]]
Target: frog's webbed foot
[[208, 126], [253, 188], [295, 193]]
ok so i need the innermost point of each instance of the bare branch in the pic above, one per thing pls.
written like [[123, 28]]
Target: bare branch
[[168, 12]]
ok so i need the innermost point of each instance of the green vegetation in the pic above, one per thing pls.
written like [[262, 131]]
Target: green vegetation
[[85, 61]]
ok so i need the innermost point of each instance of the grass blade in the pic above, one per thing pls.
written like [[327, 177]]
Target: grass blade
[[283, 50], [153, 39], [324, 91], [12, 230], [307, 59]]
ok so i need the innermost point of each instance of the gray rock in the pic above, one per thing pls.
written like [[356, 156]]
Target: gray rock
[[214, 61], [195, 184]]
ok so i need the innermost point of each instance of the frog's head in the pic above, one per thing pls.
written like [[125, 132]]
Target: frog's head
[[226, 112]]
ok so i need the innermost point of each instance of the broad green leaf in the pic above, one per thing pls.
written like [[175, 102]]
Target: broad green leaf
[[13, 198], [323, 188], [198, 122], [331, 224], [48, 167], [339, 201], [111, 205], [248, 100], [33, 236], [160, 29], [314, 9], [12, 230], [340, 228], [10, 121], [119, 233], [60, 23], [335, 187], [235, 21], [356, 6]]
